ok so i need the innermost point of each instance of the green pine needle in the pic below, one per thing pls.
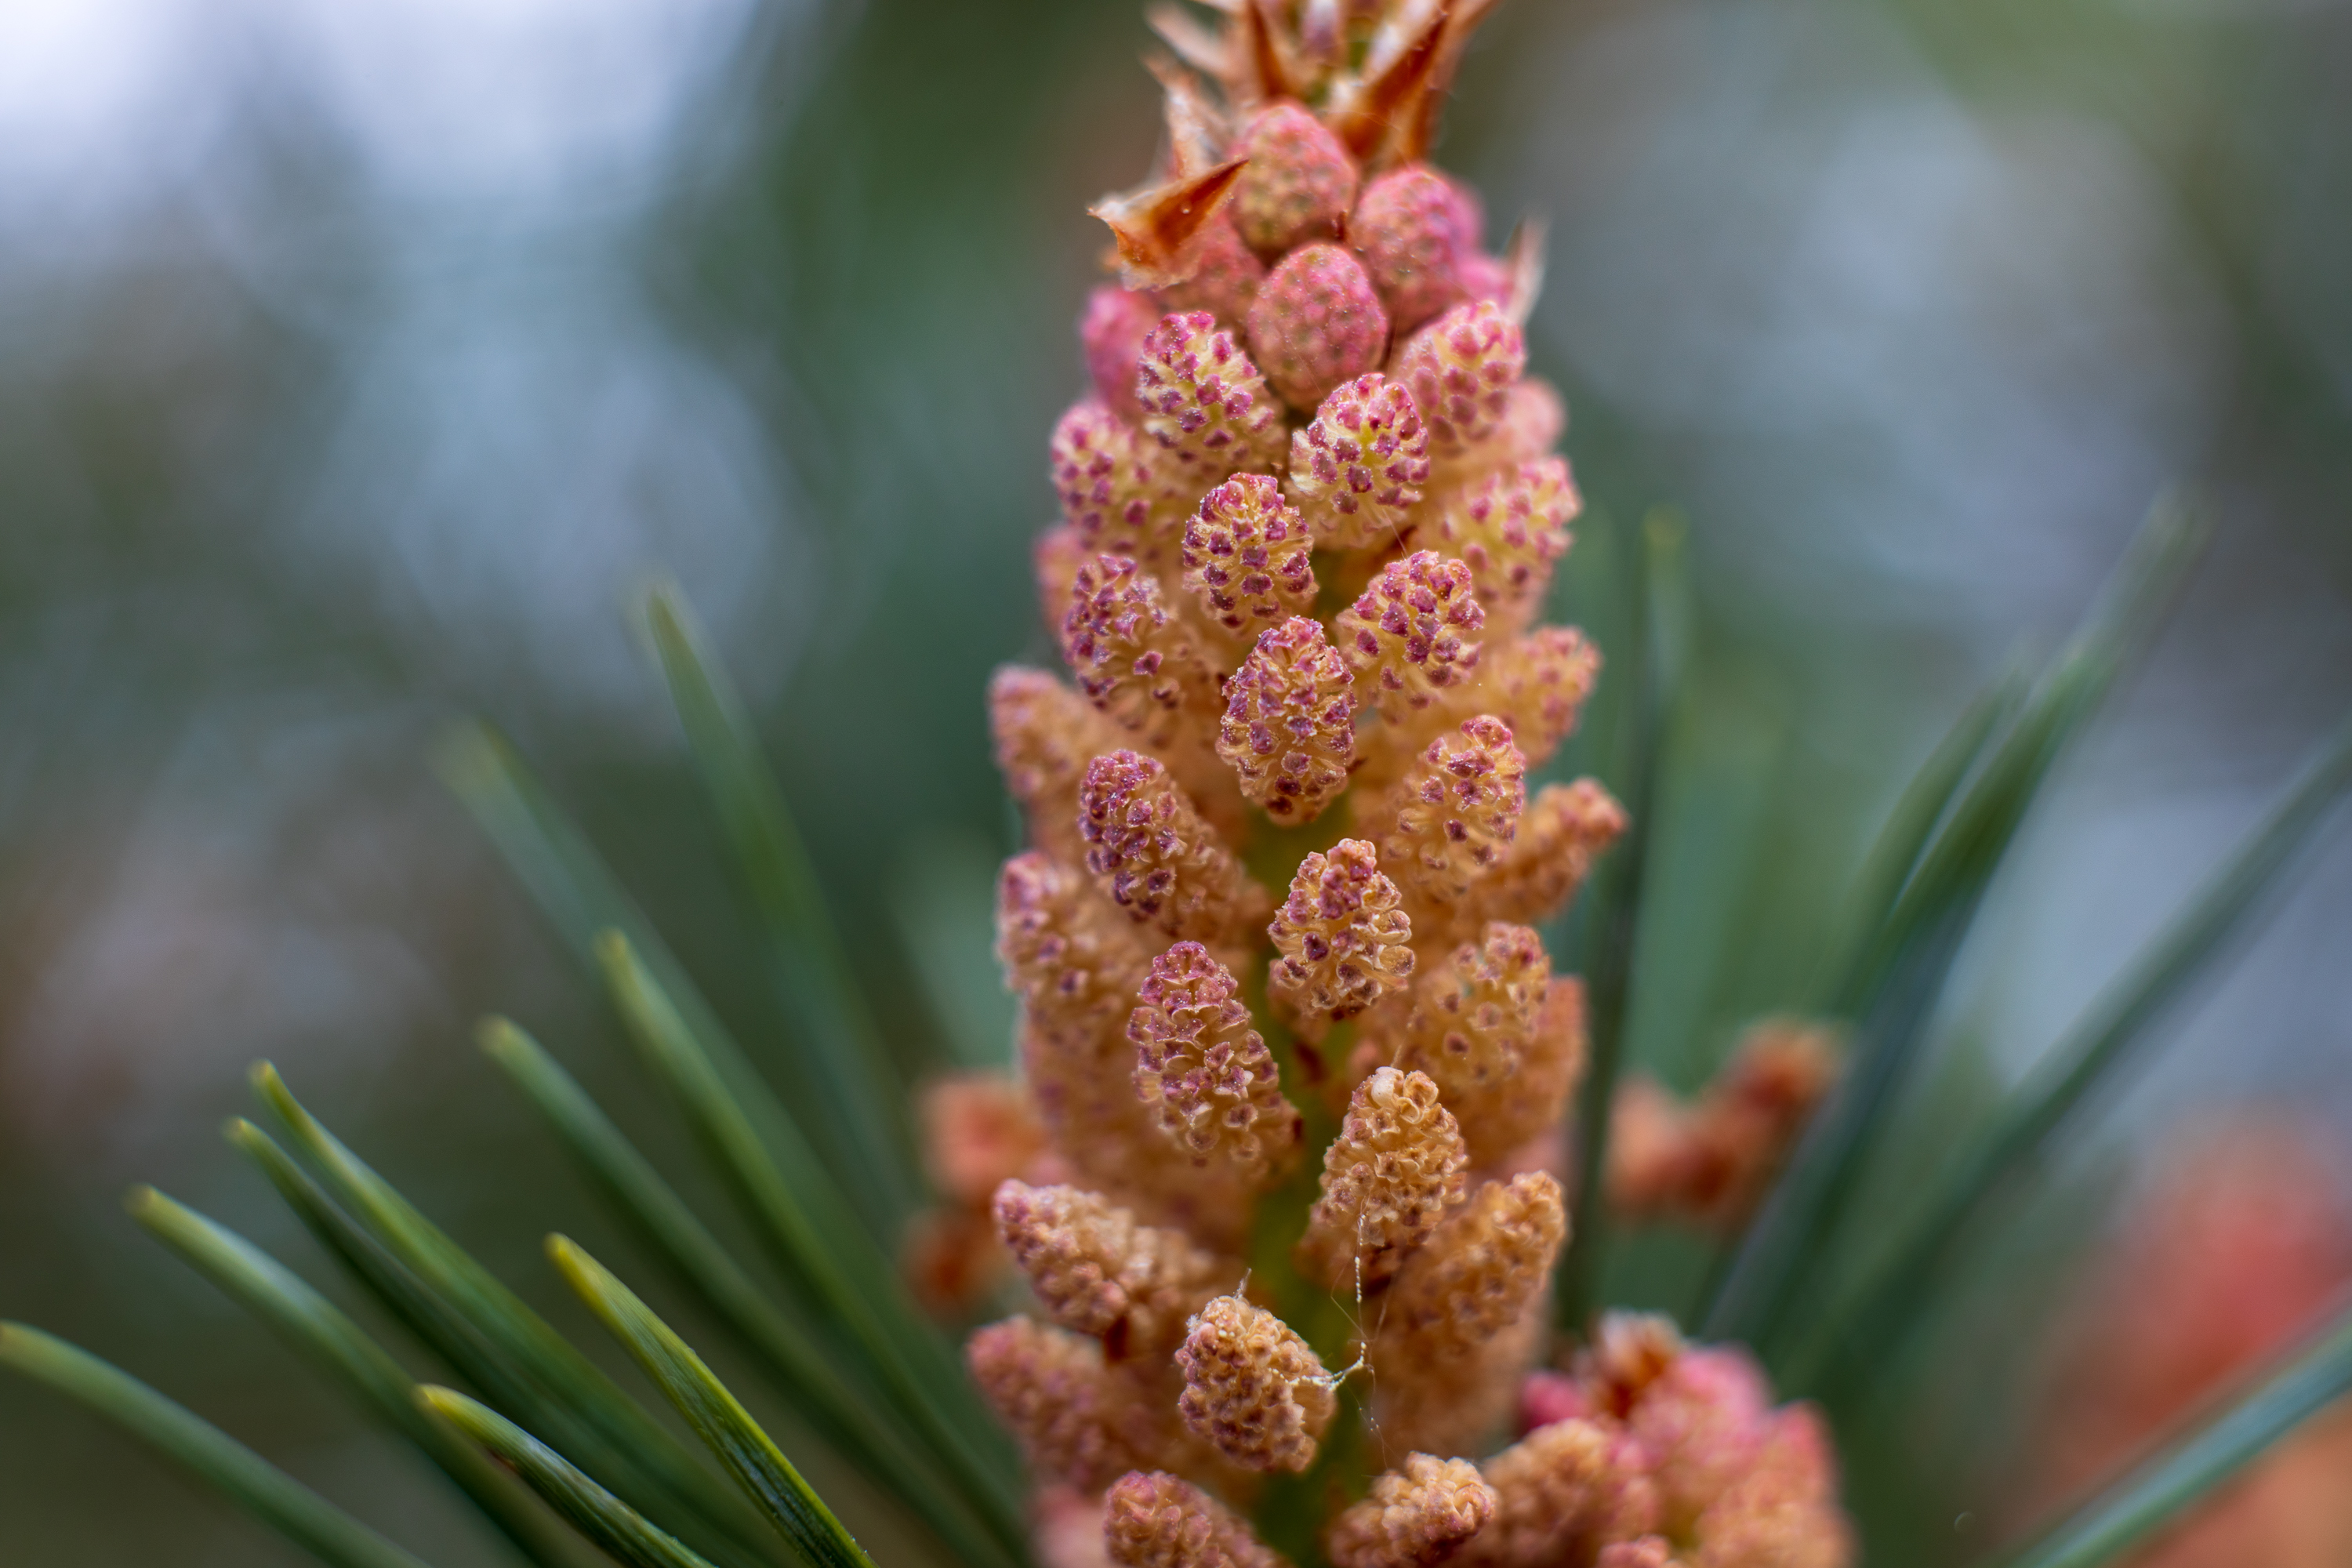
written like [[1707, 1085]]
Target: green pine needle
[[862, 1129], [235, 1472], [320, 1330], [717, 1417], [2193, 1467], [626, 1535], [862, 1428]]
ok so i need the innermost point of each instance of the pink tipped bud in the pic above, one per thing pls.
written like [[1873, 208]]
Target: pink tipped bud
[[1508, 529], [1134, 659], [1460, 369], [1252, 1387], [1113, 484], [1154, 855], [1289, 730], [1411, 634], [1456, 812], [1204, 402], [1417, 1515], [1342, 939], [1155, 1521], [1417, 234], [1246, 556], [1359, 465], [1317, 322], [1112, 331], [1207, 1071], [1225, 275], [1298, 183]]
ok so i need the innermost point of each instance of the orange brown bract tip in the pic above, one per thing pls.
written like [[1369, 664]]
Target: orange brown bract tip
[[1358, 468], [1098, 1272], [1289, 726], [1253, 1390], [1156, 227], [1157, 858], [1156, 1520], [1342, 939], [1412, 635], [1206, 1071], [1395, 1170], [1246, 556]]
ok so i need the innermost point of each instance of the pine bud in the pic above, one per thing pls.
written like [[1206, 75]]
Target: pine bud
[[1562, 832], [1315, 322], [1536, 684], [1508, 529], [1076, 1421], [1108, 476], [1454, 813], [1156, 1520], [1252, 1388], [1390, 1176], [1417, 231], [1225, 275], [1289, 726], [1246, 556], [1475, 1278], [1411, 634], [1207, 1071], [1154, 855], [1562, 1487], [1298, 183], [1134, 659], [1204, 402], [1045, 735], [1341, 938], [1417, 1515], [1472, 1026], [1112, 331], [1460, 369], [1358, 468], [1097, 1271]]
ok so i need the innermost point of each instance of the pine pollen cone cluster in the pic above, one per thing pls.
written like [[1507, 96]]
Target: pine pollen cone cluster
[[1280, 995]]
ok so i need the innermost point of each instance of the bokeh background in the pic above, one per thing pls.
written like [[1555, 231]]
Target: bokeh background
[[360, 359]]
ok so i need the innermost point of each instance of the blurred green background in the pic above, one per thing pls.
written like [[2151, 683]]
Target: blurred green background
[[359, 358]]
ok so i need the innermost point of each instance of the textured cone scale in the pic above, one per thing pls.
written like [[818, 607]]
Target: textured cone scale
[[1341, 939], [1252, 1388], [1358, 468], [1536, 685], [1460, 370], [1207, 1071], [1472, 1025], [1417, 233], [1044, 735], [1298, 183], [1412, 635], [1417, 1514], [1204, 402], [1156, 1520], [1289, 727], [1246, 556], [1317, 322]]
